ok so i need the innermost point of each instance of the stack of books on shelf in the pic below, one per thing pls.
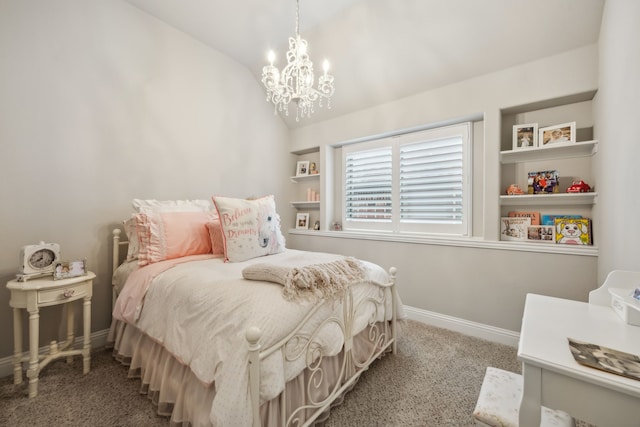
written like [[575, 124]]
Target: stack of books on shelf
[[533, 227]]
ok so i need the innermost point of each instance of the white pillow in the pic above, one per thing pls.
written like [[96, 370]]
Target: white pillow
[[133, 247], [141, 205], [250, 228]]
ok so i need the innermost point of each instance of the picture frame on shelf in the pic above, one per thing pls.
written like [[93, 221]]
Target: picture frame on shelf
[[564, 133], [68, 269], [525, 136], [302, 168], [543, 182], [302, 221]]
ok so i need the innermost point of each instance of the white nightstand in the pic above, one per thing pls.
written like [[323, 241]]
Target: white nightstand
[[33, 294]]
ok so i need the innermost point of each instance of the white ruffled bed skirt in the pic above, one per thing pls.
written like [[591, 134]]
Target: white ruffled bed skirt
[[179, 394]]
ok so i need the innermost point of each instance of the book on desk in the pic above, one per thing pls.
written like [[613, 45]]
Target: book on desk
[[605, 359]]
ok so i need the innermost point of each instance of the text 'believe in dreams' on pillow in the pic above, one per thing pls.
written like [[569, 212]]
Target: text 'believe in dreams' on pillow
[[251, 228]]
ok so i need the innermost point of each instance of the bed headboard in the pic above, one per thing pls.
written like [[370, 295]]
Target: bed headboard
[[117, 244]]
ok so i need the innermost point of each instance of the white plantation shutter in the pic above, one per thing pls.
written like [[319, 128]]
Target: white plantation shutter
[[415, 182], [431, 178], [368, 185]]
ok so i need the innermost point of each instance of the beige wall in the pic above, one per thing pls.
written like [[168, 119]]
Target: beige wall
[[617, 112], [483, 284], [100, 104]]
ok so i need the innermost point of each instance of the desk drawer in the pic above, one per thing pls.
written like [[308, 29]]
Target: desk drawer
[[69, 293]]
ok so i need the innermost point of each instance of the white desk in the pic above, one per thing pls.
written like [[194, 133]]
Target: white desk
[[554, 379]]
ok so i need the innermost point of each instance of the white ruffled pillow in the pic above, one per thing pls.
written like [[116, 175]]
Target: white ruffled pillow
[[250, 228]]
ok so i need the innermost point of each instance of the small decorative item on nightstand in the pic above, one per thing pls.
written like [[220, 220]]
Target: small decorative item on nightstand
[[68, 269], [37, 260]]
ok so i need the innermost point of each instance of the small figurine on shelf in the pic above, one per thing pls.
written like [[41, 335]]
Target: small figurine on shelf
[[316, 225], [579, 187], [514, 189]]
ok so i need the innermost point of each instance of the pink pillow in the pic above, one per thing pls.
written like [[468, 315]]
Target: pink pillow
[[167, 235], [215, 233]]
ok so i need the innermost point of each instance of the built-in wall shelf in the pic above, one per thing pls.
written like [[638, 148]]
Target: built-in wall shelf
[[558, 199], [305, 205], [560, 151], [304, 178]]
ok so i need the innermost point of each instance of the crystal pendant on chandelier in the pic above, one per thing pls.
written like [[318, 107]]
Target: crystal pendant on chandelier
[[295, 82]]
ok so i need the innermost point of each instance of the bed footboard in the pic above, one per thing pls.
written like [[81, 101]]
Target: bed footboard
[[381, 336]]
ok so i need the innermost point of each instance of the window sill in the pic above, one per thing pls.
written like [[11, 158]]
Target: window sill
[[453, 241]]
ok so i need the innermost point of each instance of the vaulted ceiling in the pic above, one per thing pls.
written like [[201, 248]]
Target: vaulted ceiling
[[383, 50]]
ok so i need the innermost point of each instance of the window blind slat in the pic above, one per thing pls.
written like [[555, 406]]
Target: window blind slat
[[431, 185], [368, 185]]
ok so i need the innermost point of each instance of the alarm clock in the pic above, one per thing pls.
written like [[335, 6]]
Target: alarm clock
[[39, 259]]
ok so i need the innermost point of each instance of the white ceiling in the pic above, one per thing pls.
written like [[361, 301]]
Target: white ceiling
[[382, 50]]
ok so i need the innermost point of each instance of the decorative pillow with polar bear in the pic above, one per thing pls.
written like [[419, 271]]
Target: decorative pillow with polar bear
[[250, 228]]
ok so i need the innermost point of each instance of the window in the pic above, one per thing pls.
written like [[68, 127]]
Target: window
[[414, 182]]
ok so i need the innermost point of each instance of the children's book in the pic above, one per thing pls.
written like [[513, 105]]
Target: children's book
[[541, 233], [605, 358], [573, 231], [550, 219], [543, 182], [514, 228], [535, 216]]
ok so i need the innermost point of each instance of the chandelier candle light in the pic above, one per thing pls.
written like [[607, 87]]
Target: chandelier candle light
[[295, 83]]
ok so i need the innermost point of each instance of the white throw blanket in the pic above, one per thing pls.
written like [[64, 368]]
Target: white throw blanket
[[311, 282], [201, 310]]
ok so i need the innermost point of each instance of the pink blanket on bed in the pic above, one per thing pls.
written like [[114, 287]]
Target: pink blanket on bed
[[129, 303]]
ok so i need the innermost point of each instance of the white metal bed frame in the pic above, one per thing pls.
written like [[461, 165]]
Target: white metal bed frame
[[382, 336]]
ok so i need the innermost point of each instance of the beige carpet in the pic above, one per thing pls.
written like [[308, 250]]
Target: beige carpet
[[434, 380]]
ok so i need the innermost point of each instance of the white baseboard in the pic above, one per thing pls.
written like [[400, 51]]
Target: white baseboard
[[98, 339], [474, 329]]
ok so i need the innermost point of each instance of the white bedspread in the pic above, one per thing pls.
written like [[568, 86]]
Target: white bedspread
[[201, 310]]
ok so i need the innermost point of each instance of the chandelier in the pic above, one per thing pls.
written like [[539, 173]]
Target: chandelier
[[295, 82]]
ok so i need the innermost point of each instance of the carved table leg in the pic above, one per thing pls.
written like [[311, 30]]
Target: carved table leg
[[70, 322], [34, 334], [86, 349], [17, 346]]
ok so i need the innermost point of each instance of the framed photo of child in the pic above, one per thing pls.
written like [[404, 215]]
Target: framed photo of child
[[68, 269], [302, 168], [559, 134], [525, 136], [302, 221]]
